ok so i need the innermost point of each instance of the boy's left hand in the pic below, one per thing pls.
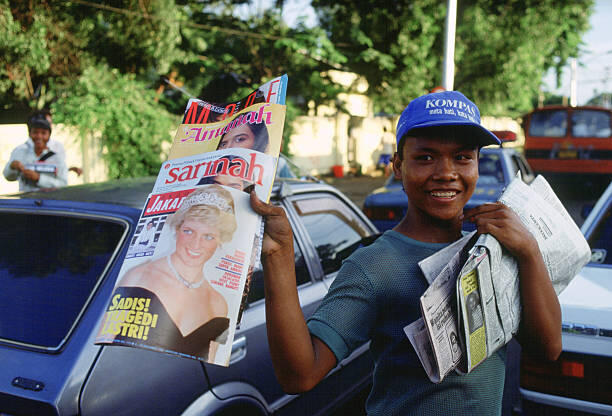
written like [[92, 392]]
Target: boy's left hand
[[503, 224]]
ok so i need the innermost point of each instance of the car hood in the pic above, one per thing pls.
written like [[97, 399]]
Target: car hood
[[586, 306], [486, 193], [387, 196]]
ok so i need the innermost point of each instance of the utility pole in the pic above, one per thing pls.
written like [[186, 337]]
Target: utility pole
[[573, 82], [448, 67]]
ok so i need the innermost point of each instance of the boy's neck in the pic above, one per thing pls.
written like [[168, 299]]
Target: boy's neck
[[431, 231]]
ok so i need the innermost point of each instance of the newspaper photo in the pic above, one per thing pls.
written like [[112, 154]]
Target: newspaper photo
[[485, 302], [183, 279]]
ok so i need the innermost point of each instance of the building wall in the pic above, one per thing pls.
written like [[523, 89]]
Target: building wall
[[321, 142]]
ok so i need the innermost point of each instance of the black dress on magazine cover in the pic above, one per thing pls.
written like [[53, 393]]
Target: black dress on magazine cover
[[166, 335]]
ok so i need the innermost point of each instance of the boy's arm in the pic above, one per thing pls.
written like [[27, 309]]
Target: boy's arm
[[300, 360], [541, 314]]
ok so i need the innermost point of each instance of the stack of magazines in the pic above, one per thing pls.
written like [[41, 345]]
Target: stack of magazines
[[183, 280]]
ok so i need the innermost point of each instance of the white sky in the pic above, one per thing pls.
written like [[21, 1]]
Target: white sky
[[594, 63]]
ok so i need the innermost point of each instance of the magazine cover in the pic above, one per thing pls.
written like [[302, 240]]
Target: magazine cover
[[203, 112], [258, 128], [184, 277]]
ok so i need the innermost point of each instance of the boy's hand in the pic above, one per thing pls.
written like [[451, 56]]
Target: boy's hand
[[541, 313], [277, 232], [31, 175], [17, 165], [503, 224]]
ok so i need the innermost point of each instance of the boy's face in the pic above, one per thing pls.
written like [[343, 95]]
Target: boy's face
[[40, 137], [439, 176]]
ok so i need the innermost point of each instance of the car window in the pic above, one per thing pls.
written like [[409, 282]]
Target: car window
[[256, 290], [552, 123], [490, 171], [333, 227], [526, 172], [49, 266], [590, 123], [600, 240]]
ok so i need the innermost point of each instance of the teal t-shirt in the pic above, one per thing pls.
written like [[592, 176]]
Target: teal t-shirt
[[374, 296]]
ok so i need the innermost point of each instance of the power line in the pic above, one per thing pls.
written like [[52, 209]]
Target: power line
[[189, 24], [233, 32]]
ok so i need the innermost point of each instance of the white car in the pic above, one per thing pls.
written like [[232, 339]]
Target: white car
[[580, 381]]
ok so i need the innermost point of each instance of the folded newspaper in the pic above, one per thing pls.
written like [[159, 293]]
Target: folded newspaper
[[182, 281], [472, 307]]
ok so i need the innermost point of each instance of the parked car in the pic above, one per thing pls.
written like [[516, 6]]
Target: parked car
[[580, 381], [60, 253], [497, 166]]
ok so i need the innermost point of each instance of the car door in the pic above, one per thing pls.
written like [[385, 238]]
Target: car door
[[250, 371], [332, 228]]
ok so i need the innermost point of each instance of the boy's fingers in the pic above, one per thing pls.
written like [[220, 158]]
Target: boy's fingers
[[261, 207], [484, 208]]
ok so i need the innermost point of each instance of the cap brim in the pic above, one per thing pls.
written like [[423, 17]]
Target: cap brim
[[481, 135]]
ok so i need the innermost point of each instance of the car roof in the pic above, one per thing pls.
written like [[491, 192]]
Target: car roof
[[133, 192]]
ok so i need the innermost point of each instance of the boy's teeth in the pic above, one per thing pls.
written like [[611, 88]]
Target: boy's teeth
[[447, 194]]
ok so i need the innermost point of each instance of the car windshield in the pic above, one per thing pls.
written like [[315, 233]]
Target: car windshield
[[551, 123], [490, 171], [590, 123], [49, 266]]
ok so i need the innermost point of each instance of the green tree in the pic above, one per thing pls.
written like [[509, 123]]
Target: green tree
[[61, 52], [227, 56], [119, 110], [95, 65], [503, 48]]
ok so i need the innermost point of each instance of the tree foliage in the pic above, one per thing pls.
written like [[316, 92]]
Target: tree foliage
[[120, 111], [503, 48], [94, 66], [110, 65]]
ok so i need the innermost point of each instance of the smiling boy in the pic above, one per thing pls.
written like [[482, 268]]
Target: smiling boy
[[376, 292], [33, 163]]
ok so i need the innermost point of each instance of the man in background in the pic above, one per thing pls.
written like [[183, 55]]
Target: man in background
[[56, 145], [33, 164]]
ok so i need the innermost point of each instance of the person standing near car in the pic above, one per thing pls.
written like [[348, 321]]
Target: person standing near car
[[56, 145], [376, 292], [33, 164]]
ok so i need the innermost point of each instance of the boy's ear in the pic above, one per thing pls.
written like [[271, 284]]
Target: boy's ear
[[397, 166]]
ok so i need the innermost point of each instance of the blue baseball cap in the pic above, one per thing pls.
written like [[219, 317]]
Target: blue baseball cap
[[446, 108]]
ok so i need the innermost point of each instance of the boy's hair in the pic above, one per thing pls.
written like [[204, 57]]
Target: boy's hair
[[38, 121]]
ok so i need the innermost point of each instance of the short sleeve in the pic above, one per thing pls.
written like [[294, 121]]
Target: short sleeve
[[347, 314]]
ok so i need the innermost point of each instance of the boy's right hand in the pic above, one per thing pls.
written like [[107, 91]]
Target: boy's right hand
[[277, 232]]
